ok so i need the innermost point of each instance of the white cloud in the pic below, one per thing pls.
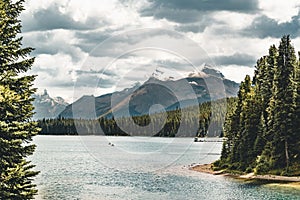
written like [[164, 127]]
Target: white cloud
[[233, 19], [280, 10], [61, 49], [55, 70], [220, 45], [235, 72]]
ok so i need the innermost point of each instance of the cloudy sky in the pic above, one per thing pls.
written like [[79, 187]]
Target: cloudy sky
[[101, 46]]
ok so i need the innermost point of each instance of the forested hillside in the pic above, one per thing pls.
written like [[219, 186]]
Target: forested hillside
[[262, 124], [263, 128], [186, 118], [189, 90]]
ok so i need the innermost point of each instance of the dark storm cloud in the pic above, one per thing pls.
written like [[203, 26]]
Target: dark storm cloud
[[198, 26], [190, 10], [176, 15], [209, 5], [235, 59], [263, 27], [41, 43], [88, 40], [48, 43], [52, 18]]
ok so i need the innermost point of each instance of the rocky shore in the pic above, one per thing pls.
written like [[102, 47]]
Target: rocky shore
[[272, 179]]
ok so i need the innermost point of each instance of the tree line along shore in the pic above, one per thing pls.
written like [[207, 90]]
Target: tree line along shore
[[262, 124], [194, 124]]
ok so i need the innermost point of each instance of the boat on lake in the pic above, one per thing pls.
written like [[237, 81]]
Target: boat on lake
[[208, 139]]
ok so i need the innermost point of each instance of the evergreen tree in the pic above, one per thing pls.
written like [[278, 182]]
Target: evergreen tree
[[228, 128], [283, 104], [251, 114], [238, 120], [295, 146], [16, 128], [263, 80], [260, 141], [263, 132]]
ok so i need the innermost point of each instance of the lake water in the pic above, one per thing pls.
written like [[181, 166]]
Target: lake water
[[90, 167]]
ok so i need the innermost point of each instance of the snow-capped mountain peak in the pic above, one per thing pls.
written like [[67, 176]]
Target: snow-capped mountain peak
[[46, 106]]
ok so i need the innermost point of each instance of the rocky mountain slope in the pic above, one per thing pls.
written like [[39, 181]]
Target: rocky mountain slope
[[209, 84], [47, 107]]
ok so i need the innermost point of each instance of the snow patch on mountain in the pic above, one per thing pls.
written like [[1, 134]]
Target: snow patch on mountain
[[46, 106], [166, 74]]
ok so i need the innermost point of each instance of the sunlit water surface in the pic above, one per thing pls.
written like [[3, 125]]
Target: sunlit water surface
[[90, 167]]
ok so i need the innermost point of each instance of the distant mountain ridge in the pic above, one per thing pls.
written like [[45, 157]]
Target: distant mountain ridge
[[46, 106], [170, 94]]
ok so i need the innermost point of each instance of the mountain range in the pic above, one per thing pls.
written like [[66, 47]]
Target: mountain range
[[46, 106], [154, 95]]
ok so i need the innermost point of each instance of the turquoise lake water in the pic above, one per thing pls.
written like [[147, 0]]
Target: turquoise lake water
[[106, 168]]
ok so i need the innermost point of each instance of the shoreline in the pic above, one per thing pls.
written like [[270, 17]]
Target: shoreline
[[284, 181]]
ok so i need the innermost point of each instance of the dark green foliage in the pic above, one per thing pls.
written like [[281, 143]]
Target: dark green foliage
[[263, 130], [284, 104], [187, 119], [16, 129], [295, 147]]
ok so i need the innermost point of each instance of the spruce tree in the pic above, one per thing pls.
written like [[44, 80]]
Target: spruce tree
[[263, 80], [295, 146], [231, 121], [16, 110], [263, 131], [282, 105], [260, 141], [250, 128], [233, 129]]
